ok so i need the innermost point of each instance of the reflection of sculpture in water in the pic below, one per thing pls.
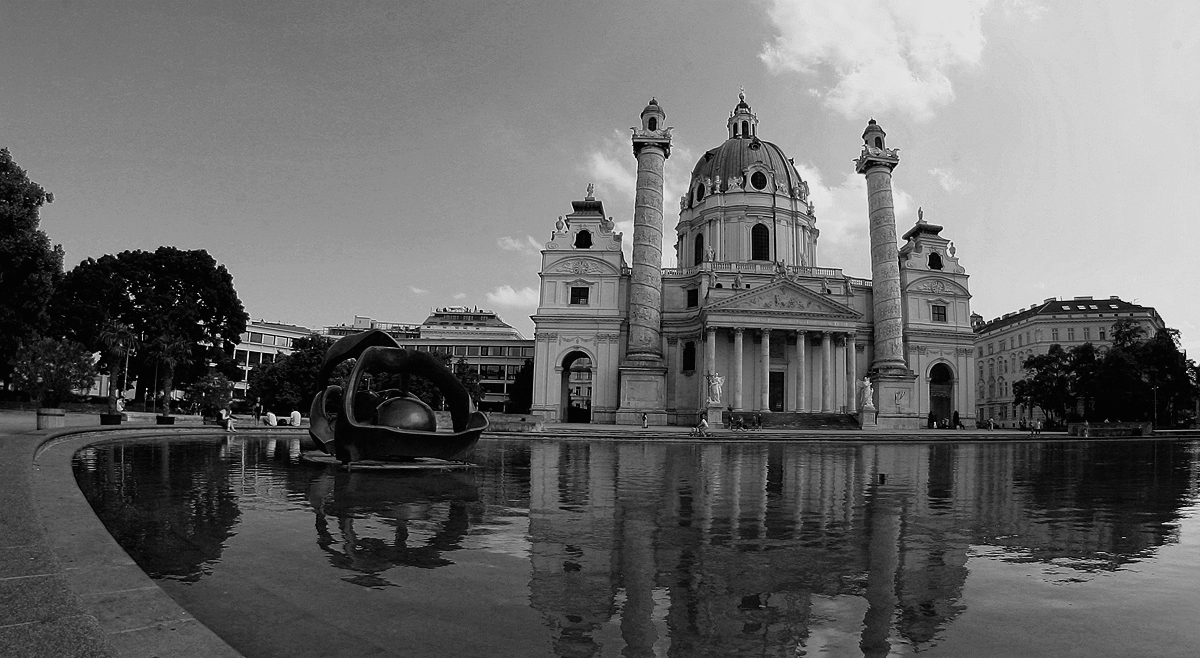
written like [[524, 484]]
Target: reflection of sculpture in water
[[714, 387], [360, 501]]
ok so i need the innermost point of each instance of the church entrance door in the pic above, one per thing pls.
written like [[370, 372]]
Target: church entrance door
[[576, 391], [777, 391], [941, 392]]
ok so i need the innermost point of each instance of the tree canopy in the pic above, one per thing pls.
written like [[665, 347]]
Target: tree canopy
[[180, 304], [29, 265], [1135, 378]]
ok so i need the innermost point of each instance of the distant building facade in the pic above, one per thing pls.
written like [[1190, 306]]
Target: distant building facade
[[491, 347], [1002, 345], [263, 342]]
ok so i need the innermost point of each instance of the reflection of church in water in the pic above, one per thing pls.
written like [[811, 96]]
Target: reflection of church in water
[[732, 550], [748, 301]]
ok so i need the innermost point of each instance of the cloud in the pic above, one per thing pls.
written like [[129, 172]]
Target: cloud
[[418, 291], [506, 296], [611, 165], [528, 246], [460, 295], [878, 55], [945, 178], [841, 208]]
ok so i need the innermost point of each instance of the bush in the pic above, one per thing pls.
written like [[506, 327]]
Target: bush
[[49, 370]]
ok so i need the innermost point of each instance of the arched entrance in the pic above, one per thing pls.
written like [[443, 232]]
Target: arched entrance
[[941, 391], [576, 388]]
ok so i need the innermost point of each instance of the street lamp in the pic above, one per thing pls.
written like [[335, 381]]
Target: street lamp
[[1155, 425]]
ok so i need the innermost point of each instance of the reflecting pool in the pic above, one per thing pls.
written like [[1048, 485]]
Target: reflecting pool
[[574, 548]]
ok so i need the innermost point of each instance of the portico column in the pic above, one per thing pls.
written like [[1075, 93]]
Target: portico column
[[737, 368], [710, 349], [827, 371], [801, 372], [851, 373], [765, 403]]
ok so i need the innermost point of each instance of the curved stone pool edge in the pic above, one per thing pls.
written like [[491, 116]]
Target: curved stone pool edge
[[68, 589]]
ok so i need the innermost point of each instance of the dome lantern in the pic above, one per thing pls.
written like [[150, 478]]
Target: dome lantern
[[743, 122]]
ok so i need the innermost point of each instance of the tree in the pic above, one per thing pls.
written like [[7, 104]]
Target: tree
[[29, 265], [1047, 383], [520, 393], [209, 393], [290, 382], [118, 341], [167, 350], [165, 297], [49, 370], [469, 377]]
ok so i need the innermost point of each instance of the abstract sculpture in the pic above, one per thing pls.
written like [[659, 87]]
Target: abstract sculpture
[[392, 424]]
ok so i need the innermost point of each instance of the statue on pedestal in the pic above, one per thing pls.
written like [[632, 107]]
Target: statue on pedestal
[[714, 387], [866, 394]]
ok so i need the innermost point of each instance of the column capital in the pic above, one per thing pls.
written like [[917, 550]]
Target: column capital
[[766, 331], [738, 331]]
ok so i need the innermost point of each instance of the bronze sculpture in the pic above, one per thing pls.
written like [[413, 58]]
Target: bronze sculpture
[[392, 424]]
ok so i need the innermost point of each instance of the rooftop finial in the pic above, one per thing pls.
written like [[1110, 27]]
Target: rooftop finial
[[742, 94], [920, 214], [590, 189]]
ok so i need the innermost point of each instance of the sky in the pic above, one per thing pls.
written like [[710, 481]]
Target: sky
[[386, 158]]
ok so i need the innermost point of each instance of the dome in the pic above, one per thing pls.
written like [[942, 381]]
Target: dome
[[652, 106], [731, 159]]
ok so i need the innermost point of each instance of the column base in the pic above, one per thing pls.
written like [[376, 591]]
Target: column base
[[643, 385], [866, 419], [895, 400]]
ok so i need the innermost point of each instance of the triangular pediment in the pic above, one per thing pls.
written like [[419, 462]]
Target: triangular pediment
[[784, 297]]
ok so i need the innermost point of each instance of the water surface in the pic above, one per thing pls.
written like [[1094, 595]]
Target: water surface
[[647, 549]]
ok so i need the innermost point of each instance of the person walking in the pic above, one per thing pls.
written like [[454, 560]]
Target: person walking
[[645, 421]]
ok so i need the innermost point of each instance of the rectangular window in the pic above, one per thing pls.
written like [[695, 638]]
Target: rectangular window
[[1054, 335], [526, 351], [981, 351], [1101, 333], [693, 298], [256, 337], [255, 358], [1087, 333], [1070, 333], [473, 350], [459, 350], [1001, 345], [579, 295], [485, 350], [939, 314], [991, 348]]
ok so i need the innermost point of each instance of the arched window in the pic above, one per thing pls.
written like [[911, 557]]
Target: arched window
[[689, 356], [583, 240], [935, 261], [745, 129], [652, 124], [879, 142], [760, 243], [699, 250]]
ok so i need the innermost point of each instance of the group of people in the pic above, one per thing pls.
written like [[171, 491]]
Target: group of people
[[269, 419]]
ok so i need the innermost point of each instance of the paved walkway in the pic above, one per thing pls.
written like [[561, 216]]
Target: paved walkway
[[68, 590]]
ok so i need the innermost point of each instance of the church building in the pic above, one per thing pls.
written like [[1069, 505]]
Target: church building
[[749, 324]]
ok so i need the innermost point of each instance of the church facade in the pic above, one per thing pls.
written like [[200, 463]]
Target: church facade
[[749, 322]]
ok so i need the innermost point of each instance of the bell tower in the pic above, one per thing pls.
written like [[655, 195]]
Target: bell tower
[[643, 372]]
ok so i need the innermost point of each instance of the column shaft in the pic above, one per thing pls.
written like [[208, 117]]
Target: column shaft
[[801, 372], [851, 373], [710, 349], [737, 368], [765, 403], [827, 371], [645, 281]]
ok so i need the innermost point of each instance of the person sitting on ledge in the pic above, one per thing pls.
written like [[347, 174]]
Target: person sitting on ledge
[[227, 419], [270, 419], [294, 418]]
